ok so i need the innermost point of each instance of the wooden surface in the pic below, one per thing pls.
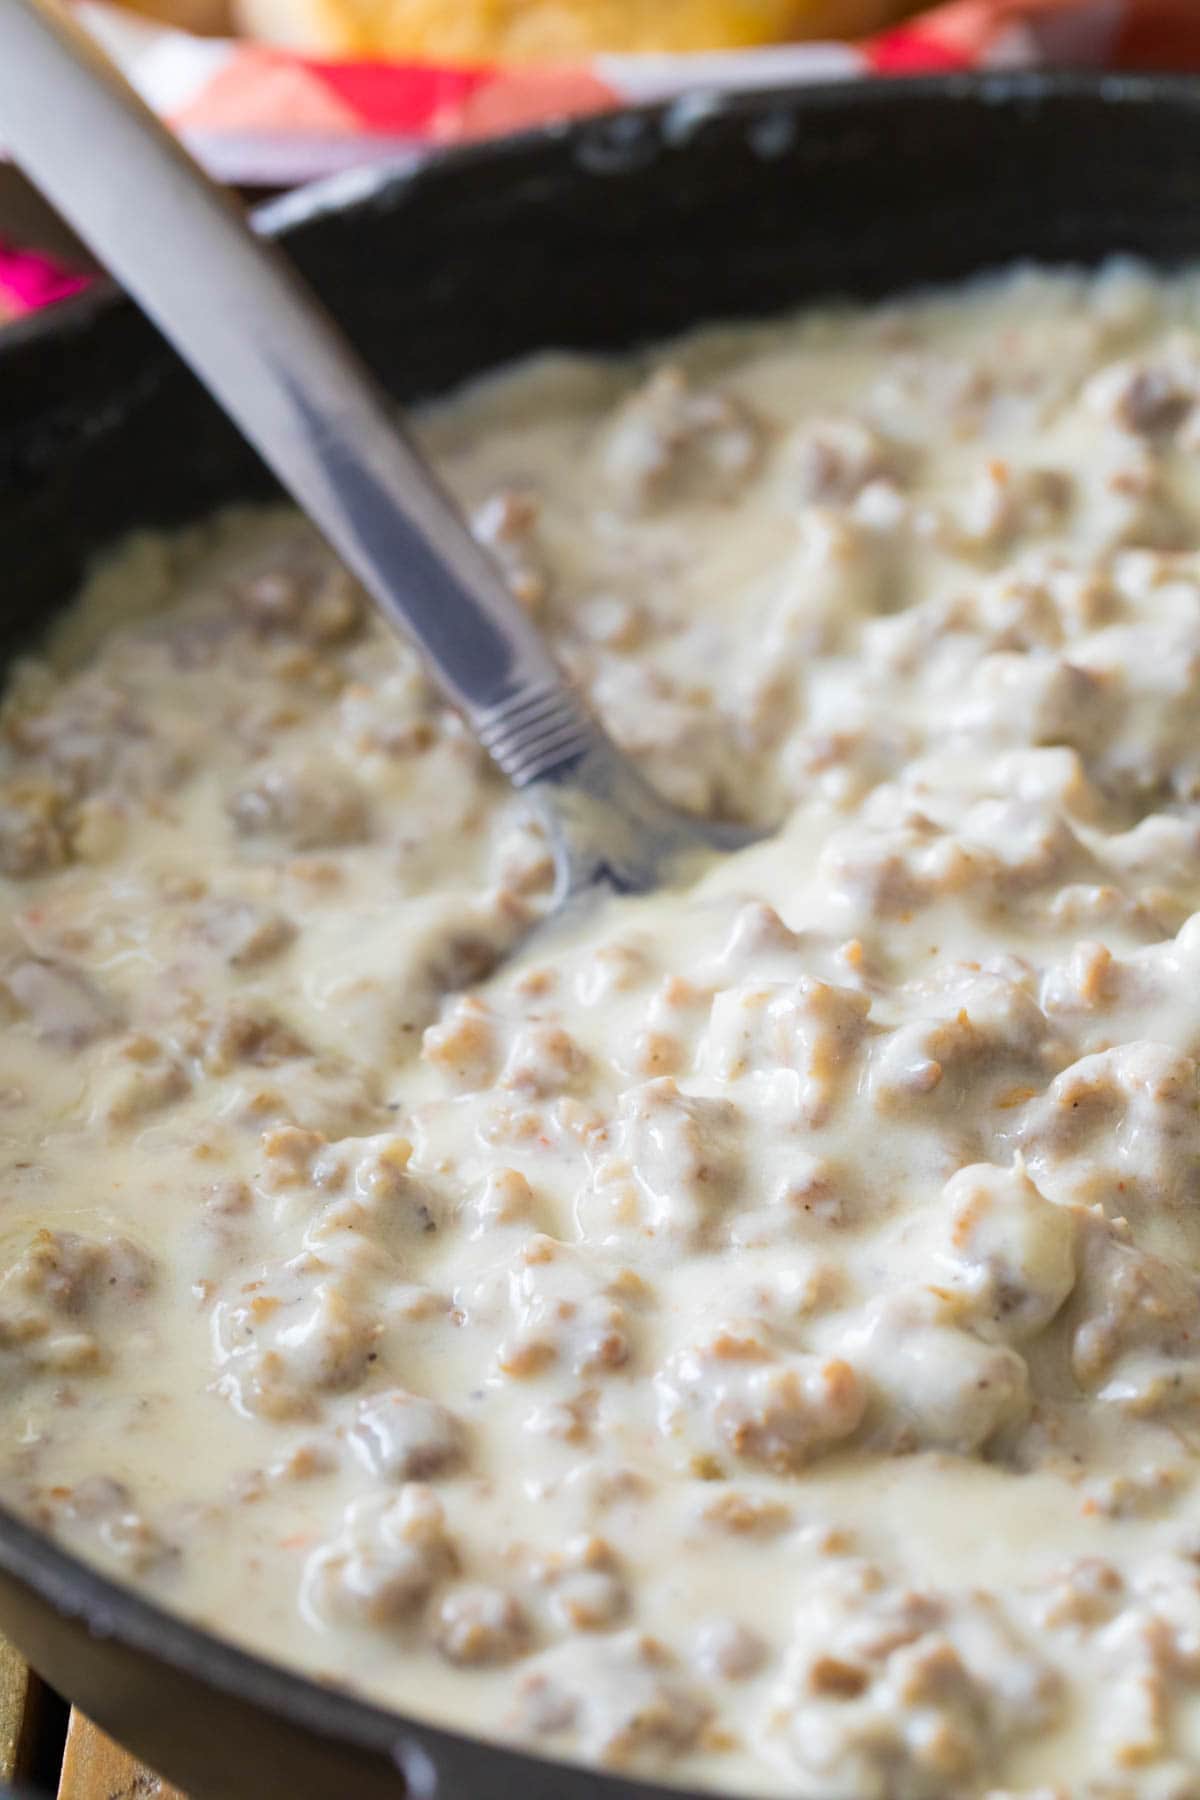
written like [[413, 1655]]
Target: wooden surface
[[21, 1711], [94, 1768], [55, 1754]]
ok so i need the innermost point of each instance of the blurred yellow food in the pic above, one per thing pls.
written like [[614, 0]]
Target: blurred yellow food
[[549, 30], [205, 16]]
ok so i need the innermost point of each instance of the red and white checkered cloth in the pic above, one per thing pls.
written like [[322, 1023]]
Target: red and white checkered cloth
[[260, 116]]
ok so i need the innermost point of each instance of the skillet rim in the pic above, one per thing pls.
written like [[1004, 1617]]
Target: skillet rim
[[73, 1588], [377, 186]]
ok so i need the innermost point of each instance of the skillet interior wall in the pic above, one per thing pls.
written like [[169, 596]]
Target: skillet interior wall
[[629, 229]]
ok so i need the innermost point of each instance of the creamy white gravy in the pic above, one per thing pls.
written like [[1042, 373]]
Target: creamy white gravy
[[756, 1342]]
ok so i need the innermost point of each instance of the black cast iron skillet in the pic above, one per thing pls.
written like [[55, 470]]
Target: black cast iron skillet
[[602, 235]]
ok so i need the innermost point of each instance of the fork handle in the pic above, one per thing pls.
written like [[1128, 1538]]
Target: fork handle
[[269, 353]]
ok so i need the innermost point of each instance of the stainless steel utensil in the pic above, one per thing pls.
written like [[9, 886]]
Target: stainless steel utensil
[[275, 361]]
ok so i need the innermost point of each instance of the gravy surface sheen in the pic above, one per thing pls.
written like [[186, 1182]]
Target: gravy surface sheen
[[755, 1341]]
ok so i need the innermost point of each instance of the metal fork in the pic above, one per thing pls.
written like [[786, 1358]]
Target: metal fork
[[267, 351]]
